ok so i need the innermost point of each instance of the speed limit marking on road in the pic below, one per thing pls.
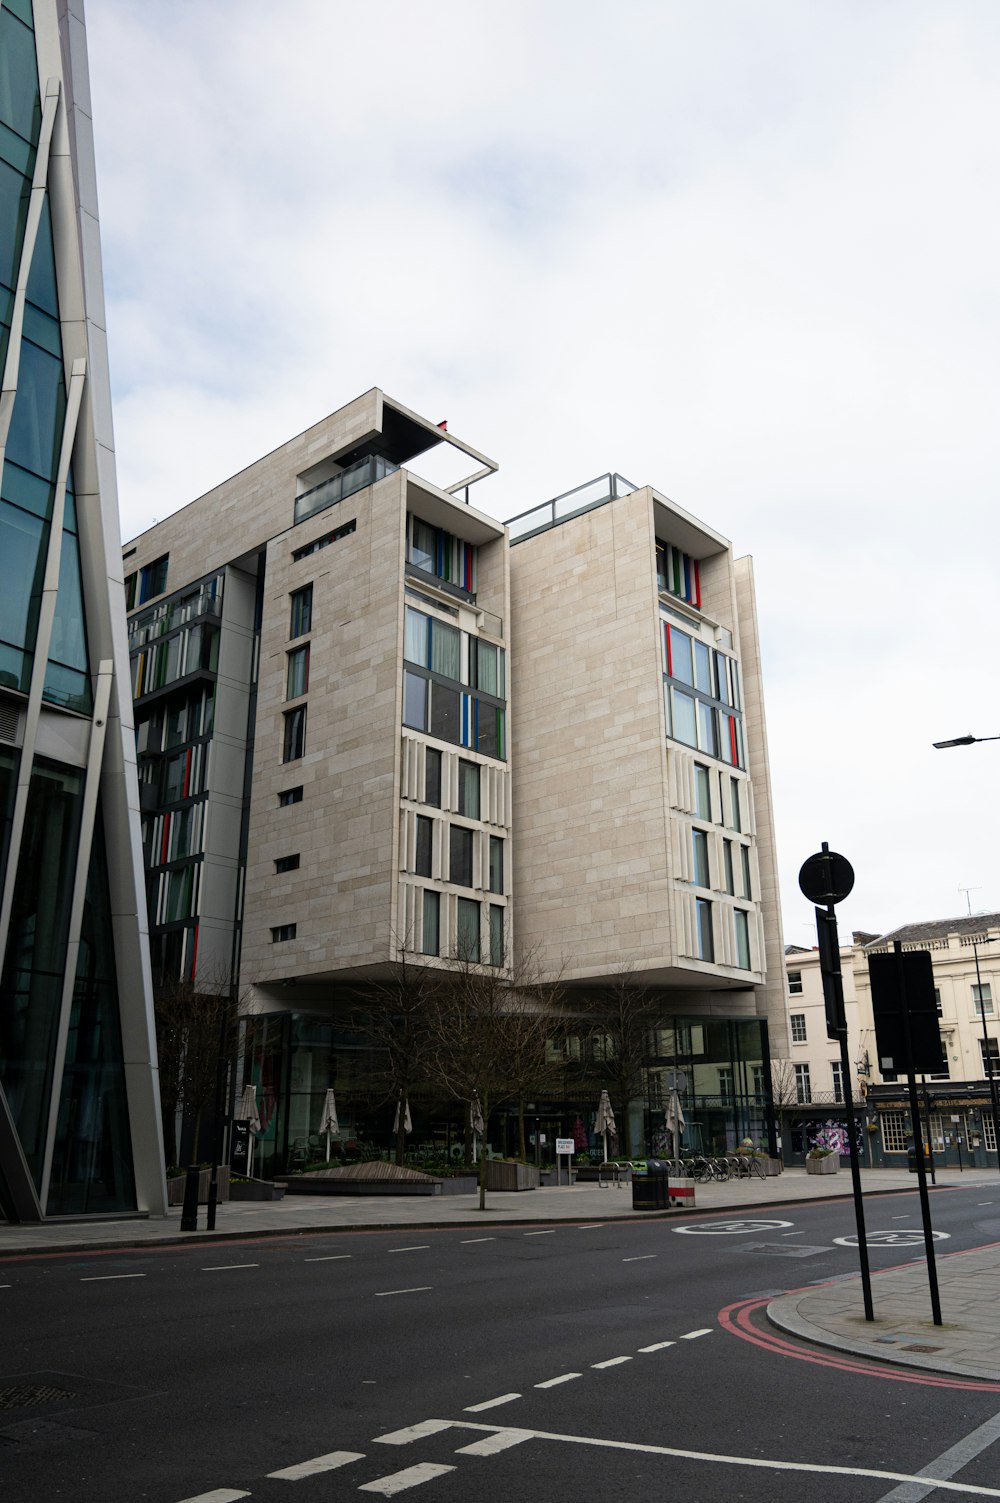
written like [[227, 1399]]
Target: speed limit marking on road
[[730, 1228], [911, 1237]]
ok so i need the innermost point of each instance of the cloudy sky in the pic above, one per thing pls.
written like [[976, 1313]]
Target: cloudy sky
[[748, 253]]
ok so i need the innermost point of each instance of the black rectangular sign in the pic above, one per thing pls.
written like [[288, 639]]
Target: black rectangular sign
[[905, 980]]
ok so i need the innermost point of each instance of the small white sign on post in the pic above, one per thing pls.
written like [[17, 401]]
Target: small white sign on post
[[568, 1147]]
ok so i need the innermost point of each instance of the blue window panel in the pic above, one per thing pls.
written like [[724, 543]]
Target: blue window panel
[[41, 288], [22, 564], [20, 108], [15, 190], [29, 492], [39, 408], [15, 668]]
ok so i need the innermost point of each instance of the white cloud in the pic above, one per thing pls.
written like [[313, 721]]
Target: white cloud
[[745, 254]]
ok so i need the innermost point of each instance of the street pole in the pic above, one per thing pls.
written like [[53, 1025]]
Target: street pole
[[911, 1080], [845, 1070], [988, 1058]]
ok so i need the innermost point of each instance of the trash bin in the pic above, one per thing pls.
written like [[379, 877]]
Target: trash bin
[[651, 1191], [911, 1159]]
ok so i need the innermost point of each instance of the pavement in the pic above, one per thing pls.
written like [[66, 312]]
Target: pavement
[[967, 1344]]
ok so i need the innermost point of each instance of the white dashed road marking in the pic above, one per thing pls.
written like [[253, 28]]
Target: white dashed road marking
[[333, 1258], [328, 1463], [691, 1335], [218, 1495], [505, 1398], [467, 1241], [105, 1278], [417, 1432], [398, 1482], [644, 1258], [549, 1232], [657, 1346], [491, 1444], [228, 1268], [611, 1362], [420, 1247], [554, 1382], [417, 1289]]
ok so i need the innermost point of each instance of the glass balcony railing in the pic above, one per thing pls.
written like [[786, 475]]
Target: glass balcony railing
[[583, 498], [354, 478], [205, 601]]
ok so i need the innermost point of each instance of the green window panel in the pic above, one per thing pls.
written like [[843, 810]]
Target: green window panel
[[20, 107], [22, 566], [39, 410]]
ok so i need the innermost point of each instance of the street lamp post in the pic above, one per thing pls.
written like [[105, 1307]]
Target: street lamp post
[[970, 740]]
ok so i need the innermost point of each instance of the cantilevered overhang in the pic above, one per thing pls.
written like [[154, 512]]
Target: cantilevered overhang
[[442, 510], [675, 525], [399, 435]]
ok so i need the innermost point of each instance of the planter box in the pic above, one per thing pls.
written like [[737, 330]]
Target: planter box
[[459, 1184], [175, 1186], [828, 1165], [772, 1166], [503, 1174], [255, 1189]]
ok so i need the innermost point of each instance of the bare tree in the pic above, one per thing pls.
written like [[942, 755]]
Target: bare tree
[[488, 1035], [197, 1032], [620, 1017], [784, 1092], [395, 1015]]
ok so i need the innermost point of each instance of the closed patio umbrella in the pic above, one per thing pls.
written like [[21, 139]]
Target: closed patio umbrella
[[675, 1121], [604, 1122], [407, 1123], [329, 1124], [248, 1113]]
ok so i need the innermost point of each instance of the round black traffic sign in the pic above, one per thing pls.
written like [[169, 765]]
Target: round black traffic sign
[[826, 877]]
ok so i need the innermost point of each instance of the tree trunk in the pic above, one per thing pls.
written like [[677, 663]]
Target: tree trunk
[[467, 1132], [522, 1151], [400, 1142], [484, 1107]]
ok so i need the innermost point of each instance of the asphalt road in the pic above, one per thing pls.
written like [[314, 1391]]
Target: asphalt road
[[546, 1364]]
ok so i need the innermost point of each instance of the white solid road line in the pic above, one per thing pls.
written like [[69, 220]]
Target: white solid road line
[[226, 1268], [691, 1335], [813, 1468], [105, 1278], [467, 1241], [611, 1362], [491, 1444], [328, 1463], [417, 1289], [505, 1398], [549, 1232], [420, 1247], [218, 1495], [657, 1346], [333, 1258], [554, 1382], [417, 1432], [591, 1226], [644, 1258], [948, 1463], [398, 1482]]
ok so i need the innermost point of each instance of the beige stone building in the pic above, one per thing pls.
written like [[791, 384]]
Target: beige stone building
[[337, 768]]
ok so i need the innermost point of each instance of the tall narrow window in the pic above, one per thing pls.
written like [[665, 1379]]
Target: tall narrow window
[[706, 939], [982, 1000], [468, 930], [803, 1087], [415, 702], [422, 860], [297, 677], [795, 983], [496, 934], [302, 612], [699, 852], [727, 860], [734, 794], [837, 1071], [431, 938], [745, 872], [295, 734], [742, 927], [461, 856], [702, 792], [153, 579], [432, 778], [468, 789], [798, 1024], [496, 864]]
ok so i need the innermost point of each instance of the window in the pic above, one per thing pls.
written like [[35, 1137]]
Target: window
[[990, 1048], [894, 1125], [989, 1131], [701, 702], [302, 612], [496, 864], [468, 789], [297, 678], [758, 1081], [683, 719], [725, 1082], [295, 735], [281, 933], [795, 983], [468, 929], [496, 934], [153, 579], [432, 778], [798, 1022], [803, 1089], [727, 858], [699, 851], [702, 792], [290, 796], [425, 838], [706, 940], [741, 924], [130, 590], [837, 1071], [982, 1000], [461, 856], [431, 938], [489, 661], [415, 706], [734, 798], [937, 1001], [326, 540], [745, 872], [286, 864]]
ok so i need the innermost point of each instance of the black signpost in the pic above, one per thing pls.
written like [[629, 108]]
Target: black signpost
[[828, 878], [908, 1038]]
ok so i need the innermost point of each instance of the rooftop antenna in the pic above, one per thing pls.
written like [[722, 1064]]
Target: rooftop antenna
[[968, 900]]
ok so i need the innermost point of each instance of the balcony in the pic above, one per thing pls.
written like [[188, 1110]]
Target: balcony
[[164, 618], [570, 504], [355, 478]]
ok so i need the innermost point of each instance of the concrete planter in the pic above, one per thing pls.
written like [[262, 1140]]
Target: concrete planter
[[175, 1186], [504, 1174], [828, 1165], [255, 1189], [772, 1166]]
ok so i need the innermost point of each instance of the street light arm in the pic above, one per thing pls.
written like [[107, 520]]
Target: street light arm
[[963, 741]]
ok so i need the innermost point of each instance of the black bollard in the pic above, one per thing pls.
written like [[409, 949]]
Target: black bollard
[[189, 1211]]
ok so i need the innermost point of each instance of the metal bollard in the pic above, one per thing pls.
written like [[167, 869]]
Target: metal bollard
[[189, 1211]]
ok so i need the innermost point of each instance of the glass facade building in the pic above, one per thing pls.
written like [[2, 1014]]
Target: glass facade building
[[79, 1129]]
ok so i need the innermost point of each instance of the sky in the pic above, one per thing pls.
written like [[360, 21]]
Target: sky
[[744, 253]]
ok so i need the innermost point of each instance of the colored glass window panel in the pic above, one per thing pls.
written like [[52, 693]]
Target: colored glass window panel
[[415, 701], [301, 613]]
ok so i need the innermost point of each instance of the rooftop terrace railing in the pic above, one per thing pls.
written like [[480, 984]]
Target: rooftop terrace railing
[[354, 478], [584, 497]]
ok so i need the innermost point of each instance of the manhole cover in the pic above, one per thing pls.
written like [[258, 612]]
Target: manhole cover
[[25, 1395]]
